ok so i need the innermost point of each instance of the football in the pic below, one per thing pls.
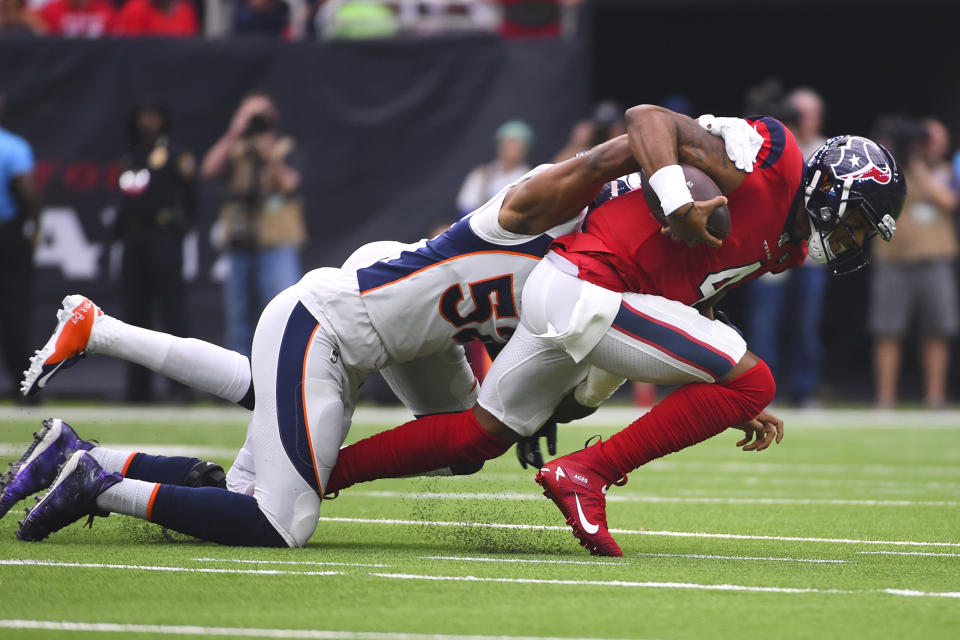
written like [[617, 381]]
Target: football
[[702, 187]]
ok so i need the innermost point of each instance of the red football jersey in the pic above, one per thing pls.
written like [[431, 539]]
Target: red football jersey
[[91, 19], [621, 247], [142, 18]]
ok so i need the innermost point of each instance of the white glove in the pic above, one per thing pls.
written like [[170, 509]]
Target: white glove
[[742, 141]]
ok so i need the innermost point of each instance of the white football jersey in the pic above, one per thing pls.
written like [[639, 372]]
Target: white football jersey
[[463, 285]]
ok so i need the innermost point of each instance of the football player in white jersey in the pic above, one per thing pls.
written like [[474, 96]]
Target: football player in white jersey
[[314, 344]]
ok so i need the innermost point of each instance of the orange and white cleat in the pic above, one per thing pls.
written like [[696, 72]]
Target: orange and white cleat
[[67, 344]]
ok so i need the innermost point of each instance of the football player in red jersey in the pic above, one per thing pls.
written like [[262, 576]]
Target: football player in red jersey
[[623, 300]]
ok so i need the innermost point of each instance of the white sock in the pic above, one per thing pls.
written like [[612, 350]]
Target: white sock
[[112, 460], [129, 497], [195, 363]]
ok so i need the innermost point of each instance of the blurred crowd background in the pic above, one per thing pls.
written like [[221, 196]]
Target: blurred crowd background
[[182, 161], [287, 19]]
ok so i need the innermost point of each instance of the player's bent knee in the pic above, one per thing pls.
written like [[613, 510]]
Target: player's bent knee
[[294, 522], [755, 384], [306, 513]]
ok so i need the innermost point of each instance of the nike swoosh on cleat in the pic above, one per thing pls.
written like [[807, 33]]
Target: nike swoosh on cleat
[[42, 380], [588, 526]]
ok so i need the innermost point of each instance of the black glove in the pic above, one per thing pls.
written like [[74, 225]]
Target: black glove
[[528, 449]]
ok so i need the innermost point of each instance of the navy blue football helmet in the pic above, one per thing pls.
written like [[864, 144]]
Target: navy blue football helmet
[[849, 183]]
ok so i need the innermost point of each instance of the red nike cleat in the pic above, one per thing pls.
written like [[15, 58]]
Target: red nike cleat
[[581, 495], [67, 343]]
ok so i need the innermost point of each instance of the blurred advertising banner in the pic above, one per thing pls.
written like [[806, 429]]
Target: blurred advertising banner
[[386, 131]]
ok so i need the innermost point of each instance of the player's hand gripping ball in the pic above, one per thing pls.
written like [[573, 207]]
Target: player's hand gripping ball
[[702, 187]]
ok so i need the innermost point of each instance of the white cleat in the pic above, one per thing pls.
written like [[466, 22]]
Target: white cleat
[[66, 345]]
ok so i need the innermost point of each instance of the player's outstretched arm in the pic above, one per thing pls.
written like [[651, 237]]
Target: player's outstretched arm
[[560, 192]]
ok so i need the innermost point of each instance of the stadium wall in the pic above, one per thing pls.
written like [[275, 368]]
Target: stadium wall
[[387, 131]]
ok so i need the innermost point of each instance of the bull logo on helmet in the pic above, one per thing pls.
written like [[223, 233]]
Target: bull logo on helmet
[[860, 159]]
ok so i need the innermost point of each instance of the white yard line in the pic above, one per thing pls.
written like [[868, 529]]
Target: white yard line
[[928, 594], [909, 553], [140, 567], [521, 496], [674, 534], [651, 555], [522, 560], [800, 468], [701, 556], [667, 585], [292, 562], [611, 416], [610, 583], [241, 632]]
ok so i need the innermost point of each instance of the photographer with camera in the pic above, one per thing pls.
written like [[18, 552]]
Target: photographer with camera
[[261, 224]]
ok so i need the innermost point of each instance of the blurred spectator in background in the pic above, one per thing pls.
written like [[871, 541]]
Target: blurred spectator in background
[[915, 273], [15, 20], [78, 18], [19, 219], [157, 18], [605, 123], [157, 208], [535, 18], [262, 17], [358, 19], [513, 139], [801, 290], [261, 220]]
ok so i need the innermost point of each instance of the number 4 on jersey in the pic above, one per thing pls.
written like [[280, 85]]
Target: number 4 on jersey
[[714, 283]]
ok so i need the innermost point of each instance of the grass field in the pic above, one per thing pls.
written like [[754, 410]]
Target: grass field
[[849, 529]]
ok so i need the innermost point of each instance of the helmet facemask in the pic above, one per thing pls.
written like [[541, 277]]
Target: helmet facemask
[[851, 180]]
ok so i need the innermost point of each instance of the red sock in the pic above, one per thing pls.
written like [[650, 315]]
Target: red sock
[[691, 414], [421, 445]]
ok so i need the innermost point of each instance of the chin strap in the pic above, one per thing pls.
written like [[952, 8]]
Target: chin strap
[[815, 247]]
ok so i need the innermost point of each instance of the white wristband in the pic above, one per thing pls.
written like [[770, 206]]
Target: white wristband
[[598, 386], [670, 185]]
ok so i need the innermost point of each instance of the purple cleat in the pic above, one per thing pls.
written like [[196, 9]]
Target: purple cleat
[[72, 496], [37, 468]]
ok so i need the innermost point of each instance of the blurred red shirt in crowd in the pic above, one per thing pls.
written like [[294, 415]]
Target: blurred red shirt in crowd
[[533, 18], [156, 17], [78, 18]]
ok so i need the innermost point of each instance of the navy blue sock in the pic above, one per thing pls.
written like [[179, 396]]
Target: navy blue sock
[[214, 514], [162, 469]]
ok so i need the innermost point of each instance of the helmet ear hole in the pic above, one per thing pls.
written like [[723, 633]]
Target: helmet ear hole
[[826, 213]]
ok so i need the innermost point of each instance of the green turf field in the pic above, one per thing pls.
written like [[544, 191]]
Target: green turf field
[[849, 529]]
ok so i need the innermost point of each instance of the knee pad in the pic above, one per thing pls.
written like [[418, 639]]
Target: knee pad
[[306, 514]]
